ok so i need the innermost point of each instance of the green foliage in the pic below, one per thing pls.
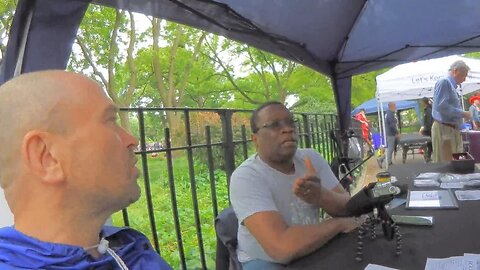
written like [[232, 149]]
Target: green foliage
[[364, 87], [473, 55], [316, 105], [7, 9], [164, 216], [409, 121]]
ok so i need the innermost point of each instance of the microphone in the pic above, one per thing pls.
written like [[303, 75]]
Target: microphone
[[103, 246]]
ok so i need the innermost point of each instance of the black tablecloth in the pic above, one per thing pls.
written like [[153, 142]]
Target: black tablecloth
[[411, 141], [413, 138], [454, 232]]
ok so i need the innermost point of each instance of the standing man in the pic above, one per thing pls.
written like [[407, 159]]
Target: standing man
[[391, 130], [276, 195], [66, 166], [426, 129], [474, 110], [447, 113]]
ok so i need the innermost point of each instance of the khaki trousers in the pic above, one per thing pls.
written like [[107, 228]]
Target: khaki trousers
[[445, 141]]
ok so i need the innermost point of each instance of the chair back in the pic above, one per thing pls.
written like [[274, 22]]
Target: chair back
[[226, 227]]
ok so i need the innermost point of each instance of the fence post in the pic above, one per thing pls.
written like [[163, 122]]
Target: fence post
[[146, 179], [227, 143], [306, 131]]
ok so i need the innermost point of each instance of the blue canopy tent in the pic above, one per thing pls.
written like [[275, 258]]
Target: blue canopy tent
[[372, 106], [339, 38]]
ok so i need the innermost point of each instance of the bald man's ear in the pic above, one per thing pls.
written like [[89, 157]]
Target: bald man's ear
[[254, 139], [39, 159]]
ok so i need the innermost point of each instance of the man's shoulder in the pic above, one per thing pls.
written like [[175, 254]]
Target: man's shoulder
[[5, 266], [252, 163], [123, 234], [134, 246], [445, 81], [313, 154], [304, 152], [6, 230]]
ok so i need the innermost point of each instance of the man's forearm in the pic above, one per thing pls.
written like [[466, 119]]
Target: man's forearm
[[334, 203], [300, 240]]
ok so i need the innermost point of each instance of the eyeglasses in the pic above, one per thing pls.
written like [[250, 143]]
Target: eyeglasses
[[279, 124]]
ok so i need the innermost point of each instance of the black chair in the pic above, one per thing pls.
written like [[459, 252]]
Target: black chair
[[226, 227]]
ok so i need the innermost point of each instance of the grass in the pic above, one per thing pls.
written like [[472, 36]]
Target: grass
[[163, 213]]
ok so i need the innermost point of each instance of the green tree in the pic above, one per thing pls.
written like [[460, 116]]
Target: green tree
[[101, 33], [263, 76], [7, 9], [364, 87]]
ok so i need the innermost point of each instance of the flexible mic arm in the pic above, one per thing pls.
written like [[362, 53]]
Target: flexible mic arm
[[372, 196], [372, 199]]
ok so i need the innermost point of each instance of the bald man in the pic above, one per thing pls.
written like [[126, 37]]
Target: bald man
[[65, 167]]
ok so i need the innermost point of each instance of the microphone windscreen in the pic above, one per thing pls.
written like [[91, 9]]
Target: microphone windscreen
[[363, 202]]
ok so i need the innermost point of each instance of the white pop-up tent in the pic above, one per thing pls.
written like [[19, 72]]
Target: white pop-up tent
[[416, 80], [6, 217]]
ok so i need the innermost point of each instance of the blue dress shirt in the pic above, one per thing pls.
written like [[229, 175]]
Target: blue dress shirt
[[446, 106]]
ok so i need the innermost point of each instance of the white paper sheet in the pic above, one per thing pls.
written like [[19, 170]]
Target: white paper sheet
[[467, 195], [452, 263], [431, 199], [372, 266], [447, 185], [430, 175], [466, 262]]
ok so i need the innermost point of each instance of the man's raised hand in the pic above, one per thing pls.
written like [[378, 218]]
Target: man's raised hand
[[308, 187]]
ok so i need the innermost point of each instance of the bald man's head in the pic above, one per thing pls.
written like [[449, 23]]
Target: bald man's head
[[392, 106], [32, 101]]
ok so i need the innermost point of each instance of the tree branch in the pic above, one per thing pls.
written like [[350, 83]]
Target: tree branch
[[131, 63], [89, 58], [171, 69], [188, 68], [113, 51], [157, 68], [260, 73], [228, 76]]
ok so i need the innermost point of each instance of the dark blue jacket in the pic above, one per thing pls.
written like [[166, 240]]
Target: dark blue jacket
[[19, 251], [391, 125]]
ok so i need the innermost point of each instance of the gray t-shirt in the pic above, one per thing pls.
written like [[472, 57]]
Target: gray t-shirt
[[257, 187]]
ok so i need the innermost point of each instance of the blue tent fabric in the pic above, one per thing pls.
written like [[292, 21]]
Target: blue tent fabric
[[371, 106], [52, 31], [339, 38]]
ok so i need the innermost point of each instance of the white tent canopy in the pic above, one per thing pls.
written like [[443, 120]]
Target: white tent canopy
[[6, 217], [417, 79]]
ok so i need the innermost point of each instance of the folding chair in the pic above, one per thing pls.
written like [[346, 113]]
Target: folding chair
[[226, 227]]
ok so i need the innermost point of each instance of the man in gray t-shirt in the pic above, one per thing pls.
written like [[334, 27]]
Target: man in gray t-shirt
[[277, 193]]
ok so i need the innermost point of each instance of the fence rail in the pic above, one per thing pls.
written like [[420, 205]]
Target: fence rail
[[191, 167]]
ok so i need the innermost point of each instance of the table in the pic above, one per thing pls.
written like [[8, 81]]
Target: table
[[412, 141], [453, 233], [472, 140]]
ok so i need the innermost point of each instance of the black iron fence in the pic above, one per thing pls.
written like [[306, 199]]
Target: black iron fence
[[186, 174]]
